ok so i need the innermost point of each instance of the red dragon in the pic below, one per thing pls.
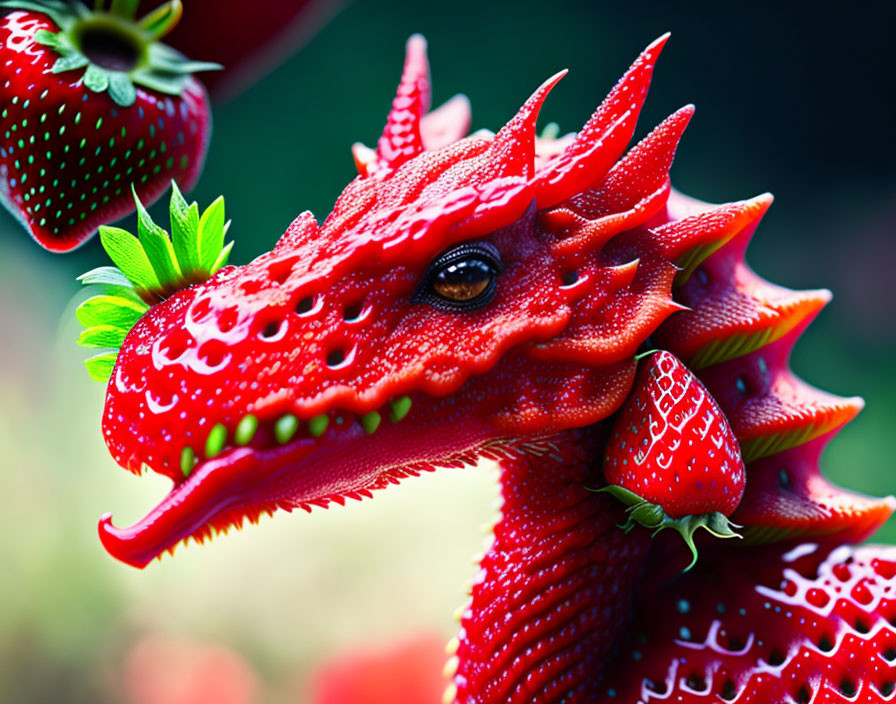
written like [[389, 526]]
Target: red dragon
[[486, 297]]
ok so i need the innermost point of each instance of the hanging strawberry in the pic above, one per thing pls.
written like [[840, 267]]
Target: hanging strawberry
[[90, 104], [672, 457]]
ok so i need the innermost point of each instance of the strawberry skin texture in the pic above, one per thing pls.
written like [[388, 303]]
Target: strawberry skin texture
[[672, 445], [791, 625], [69, 155]]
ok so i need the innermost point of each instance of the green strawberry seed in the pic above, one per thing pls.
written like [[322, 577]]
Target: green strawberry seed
[[370, 422], [187, 461], [399, 408], [318, 425], [285, 428], [245, 430], [215, 441]]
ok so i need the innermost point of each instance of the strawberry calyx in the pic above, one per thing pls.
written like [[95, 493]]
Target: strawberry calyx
[[115, 50], [652, 516], [149, 268]]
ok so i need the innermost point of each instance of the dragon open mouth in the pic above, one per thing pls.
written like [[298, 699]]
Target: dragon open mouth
[[330, 458]]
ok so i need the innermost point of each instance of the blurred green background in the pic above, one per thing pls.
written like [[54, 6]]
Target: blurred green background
[[797, 102]]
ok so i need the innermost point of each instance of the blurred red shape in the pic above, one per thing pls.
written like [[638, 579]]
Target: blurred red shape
[[247, 39], [409, 672], [161, 670]]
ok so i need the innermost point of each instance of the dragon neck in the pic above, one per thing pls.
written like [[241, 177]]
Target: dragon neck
[[551, 592]]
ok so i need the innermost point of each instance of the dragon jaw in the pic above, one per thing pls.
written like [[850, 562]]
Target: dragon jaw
[[301, 356]]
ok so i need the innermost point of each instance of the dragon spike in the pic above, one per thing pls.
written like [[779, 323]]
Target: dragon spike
[[689, 241], [401, 139], [603, 138], [638, 186], [513, 150]]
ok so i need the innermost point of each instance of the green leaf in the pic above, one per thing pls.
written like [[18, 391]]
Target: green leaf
[[100, 366], [170, 84], [185, 231], [183, 67], [96, 78], [103, 336], [124, 249], [121, 89], [47, 38], [110, 310], [162, 20], [157, 245], [105, 275], [69, 62], [112, 283], [211, 234], [221, 261]]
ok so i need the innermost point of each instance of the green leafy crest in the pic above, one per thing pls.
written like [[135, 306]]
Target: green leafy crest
[[148, 269]]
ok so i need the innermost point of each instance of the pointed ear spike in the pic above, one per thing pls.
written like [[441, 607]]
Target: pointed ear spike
[[603, 138], [513, 149], [401, 139]]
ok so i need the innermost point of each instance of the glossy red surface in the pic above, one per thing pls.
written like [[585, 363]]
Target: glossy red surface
[[600, 258], [672, 445]]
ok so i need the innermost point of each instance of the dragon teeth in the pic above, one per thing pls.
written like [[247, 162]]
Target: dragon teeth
[[245, 430], [399, 408], [217, 436], [187, 461], [285, 428], [370, 422], [450, 669], [318, 425]]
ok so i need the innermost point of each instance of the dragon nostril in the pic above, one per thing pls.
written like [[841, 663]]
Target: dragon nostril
[[742, 385], [305, 306], [696, 682], [804, 696], [273, 330], [336, 358], [353, 312], [847, 688], [729, 691], [570, 277]]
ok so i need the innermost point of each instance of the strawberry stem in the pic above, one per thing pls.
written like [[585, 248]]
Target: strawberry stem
[[652, 516], [163, 19]]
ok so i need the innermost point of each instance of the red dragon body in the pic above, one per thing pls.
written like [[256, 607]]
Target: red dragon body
[[486, 297]]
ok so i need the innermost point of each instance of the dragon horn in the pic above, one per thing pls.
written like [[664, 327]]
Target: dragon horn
[[513, 150], [601, 141], [401, 138]]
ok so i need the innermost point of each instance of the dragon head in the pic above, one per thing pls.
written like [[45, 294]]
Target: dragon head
[[466, 294]]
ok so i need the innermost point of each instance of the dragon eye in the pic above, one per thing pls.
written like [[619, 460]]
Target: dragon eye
[[461, 278]]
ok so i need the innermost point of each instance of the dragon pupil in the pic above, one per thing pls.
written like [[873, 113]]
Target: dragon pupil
[[464, 280]]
